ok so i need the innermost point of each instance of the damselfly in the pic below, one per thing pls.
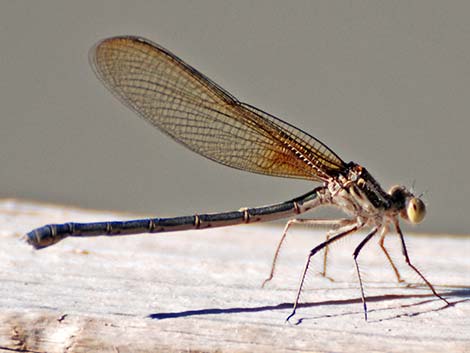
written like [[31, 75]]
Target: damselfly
[[196, 112]]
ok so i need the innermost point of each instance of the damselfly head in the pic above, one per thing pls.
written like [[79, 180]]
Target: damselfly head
[[415, 210], [411, 208]]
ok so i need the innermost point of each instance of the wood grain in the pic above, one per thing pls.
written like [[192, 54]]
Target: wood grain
[[199, 291]]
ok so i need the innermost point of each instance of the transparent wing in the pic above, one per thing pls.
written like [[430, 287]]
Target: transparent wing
[[196, 112]]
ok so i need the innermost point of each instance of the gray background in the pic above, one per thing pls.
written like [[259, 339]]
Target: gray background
[[384, 83]]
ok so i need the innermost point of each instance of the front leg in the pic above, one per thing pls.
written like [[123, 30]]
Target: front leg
[[408, 261]]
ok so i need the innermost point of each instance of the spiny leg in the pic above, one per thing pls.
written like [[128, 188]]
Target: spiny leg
[[325, 258], [389, 258], [342, 232], [407, 259], [318, 222], [355, 255]]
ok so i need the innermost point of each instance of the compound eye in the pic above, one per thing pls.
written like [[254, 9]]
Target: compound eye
[[415, 210]]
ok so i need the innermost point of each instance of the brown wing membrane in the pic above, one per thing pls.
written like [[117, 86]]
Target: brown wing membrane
[[198, 113]]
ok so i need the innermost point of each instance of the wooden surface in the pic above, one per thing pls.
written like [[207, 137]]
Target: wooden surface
[[200, 291]]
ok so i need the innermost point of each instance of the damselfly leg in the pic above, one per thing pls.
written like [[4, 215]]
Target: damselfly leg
[[331, 223], [355, 255], [408, 261], [342, 232]]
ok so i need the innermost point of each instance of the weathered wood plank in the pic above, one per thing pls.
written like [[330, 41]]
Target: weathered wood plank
[[200, 291]]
